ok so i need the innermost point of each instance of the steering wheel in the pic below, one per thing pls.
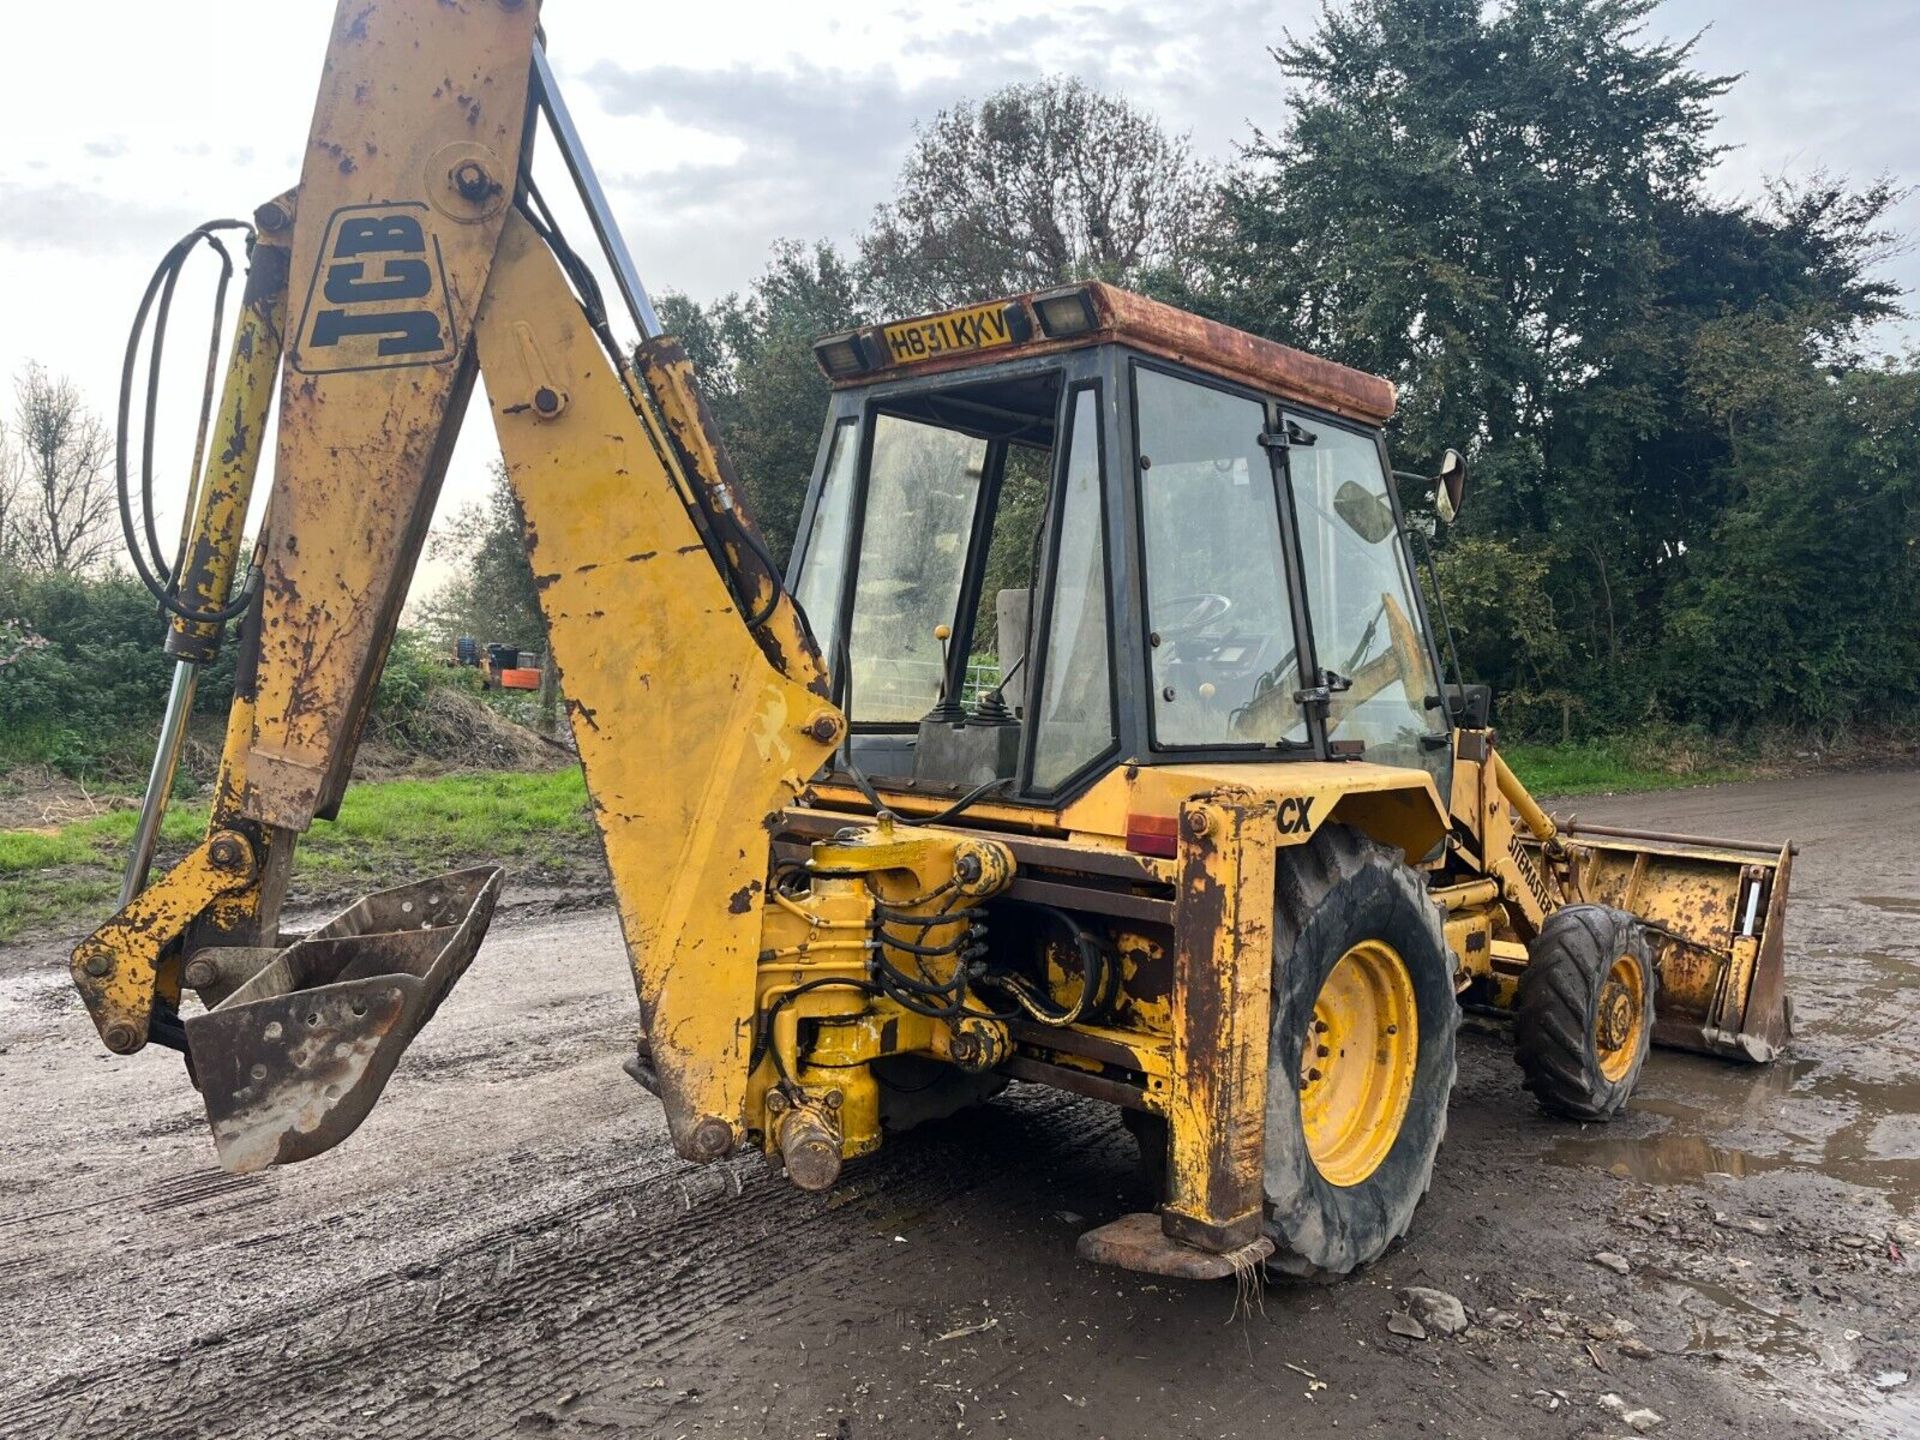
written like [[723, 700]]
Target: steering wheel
[[1191, 614]]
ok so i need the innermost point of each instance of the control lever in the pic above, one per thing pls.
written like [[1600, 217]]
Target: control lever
[[947, 711]]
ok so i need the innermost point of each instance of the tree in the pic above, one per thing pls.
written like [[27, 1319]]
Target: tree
[[1503, 208], [1465, 198], [491, 595], [56, 493], [1804, 599], [754, 356], [1036, 185]]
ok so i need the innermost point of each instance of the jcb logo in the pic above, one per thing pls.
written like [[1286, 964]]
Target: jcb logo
[[1296, 815], [378, 298]]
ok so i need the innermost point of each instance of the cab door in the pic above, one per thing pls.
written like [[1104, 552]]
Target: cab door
[[1369, 630]]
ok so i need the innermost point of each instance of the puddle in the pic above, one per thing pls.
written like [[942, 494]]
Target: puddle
[[1799, 1115], [1664, 1159], [1724, 1323], [1898, 904], [1775, 1350]]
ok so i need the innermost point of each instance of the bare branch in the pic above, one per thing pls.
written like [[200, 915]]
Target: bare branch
[[58, 510]]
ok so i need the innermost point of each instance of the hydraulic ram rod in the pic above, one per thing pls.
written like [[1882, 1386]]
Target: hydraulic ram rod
[[166, 761]]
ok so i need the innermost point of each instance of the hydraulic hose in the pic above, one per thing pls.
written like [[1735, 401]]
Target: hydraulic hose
[[143, 541]]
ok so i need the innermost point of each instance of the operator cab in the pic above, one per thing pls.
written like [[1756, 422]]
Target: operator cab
[[1057, 531]]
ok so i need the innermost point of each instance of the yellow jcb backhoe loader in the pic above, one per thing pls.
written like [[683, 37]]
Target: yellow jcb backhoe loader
[[1208, 836]]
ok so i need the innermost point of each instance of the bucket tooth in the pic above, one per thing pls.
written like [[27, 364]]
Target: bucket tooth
[[290, 1063]]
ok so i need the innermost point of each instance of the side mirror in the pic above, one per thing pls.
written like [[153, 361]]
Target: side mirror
[[1449, 486], [1364, 512]]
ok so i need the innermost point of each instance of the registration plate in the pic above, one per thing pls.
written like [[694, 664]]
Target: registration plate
[[983, 327]]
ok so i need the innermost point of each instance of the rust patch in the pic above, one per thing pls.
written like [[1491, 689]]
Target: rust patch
[[741, 901], [293, 1060], [1138, 1243], [238, 436]]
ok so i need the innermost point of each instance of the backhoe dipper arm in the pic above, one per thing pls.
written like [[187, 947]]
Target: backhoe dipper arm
[[696, 695]]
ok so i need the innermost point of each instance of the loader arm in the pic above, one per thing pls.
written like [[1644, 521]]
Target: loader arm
[[417, 260], [1714, 909]]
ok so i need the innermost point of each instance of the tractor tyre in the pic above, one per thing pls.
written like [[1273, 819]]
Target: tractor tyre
[[1583, 1016], [1361, 1061], [1151, 1136]]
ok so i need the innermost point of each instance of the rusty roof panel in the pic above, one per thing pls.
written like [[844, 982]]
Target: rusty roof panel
[[1162, 330]]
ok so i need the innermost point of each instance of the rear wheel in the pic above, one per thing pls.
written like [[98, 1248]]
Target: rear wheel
[[1361, 1061], [1583, 1017], [1584, 1010]]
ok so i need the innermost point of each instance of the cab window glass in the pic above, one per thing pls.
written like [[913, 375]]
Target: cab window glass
[[923, 489], [1075, 709], [1221, 645], [1360, 599], [823, 564]]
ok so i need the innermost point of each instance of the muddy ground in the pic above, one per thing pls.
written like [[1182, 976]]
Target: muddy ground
[[508, 1248]]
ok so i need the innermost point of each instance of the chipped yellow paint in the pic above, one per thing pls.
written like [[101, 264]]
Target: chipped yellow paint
[[239, 429], [1222, 999], [119, 970], [389, 261], [1398, 806], [689, 737]]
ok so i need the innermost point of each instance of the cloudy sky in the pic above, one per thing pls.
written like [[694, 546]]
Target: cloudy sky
[[721, 127]]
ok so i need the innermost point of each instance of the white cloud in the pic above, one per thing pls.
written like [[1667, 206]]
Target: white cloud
[[721, 128]]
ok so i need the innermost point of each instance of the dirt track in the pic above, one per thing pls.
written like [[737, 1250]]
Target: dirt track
[[509, 1248]]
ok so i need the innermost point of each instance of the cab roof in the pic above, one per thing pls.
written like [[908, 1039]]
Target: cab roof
[[1017, 327]]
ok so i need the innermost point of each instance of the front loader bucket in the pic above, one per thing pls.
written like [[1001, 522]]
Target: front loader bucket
[[1715, 912], [291, 1062]]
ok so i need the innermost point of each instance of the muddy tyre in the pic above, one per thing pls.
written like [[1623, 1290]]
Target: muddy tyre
[[1361, 1061], [1151, 1137], [1583, 1017]]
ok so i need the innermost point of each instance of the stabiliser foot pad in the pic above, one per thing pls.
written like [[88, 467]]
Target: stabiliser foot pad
[[1136, 1242]]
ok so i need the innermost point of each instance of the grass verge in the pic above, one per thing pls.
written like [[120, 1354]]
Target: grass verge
[[1603, 767], [388, 832]]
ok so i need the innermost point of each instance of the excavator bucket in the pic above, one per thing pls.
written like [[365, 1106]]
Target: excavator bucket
[[1715, 912], [290, 1063]]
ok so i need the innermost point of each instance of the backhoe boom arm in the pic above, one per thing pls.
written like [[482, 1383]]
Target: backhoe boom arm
[[420, 261]]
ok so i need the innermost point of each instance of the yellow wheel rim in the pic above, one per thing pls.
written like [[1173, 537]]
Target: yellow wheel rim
[[1620, 1017], [1356, 1069]]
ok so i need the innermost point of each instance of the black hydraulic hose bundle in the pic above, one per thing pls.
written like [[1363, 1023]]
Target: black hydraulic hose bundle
[[533, 206], [1099, 976], [149, 561]]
